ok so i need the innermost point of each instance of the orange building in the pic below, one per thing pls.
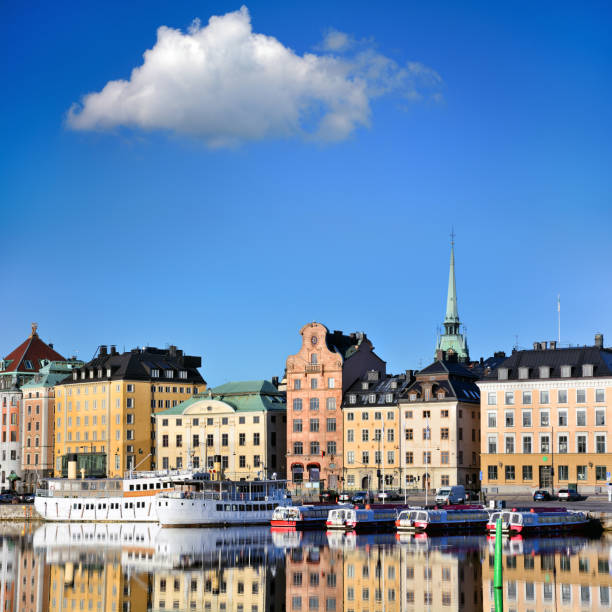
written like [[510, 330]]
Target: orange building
[[326, 365]]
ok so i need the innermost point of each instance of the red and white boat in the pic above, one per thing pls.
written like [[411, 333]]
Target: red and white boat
[[538, 520], [375, 517], [311, 516], [447, 519]]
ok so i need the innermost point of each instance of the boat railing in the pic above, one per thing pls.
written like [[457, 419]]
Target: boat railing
[[219, 496], [132, 474]]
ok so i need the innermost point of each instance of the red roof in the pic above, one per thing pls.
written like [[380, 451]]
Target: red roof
[[29, 353]]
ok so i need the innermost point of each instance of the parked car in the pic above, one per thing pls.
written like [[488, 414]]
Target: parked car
[[6, 498], [542, 495], [26, 498], [359, 497], [568, 494], [383, 496], [451, 495], [328, 496], [344, 497]]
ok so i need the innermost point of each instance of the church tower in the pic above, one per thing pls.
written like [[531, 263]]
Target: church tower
[[452, 340]]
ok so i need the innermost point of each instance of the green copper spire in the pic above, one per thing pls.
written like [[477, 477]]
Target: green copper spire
[[452, 316], [452, 340]]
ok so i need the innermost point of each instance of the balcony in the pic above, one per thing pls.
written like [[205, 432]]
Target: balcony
[[313, 368]]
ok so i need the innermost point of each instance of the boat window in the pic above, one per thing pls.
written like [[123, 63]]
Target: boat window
[[131, 487], [249, 508]]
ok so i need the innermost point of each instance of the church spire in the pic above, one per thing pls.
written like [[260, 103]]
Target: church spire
[[452, 341]]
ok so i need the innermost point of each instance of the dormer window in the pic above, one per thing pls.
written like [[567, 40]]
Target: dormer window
[[91, 373], [587, 369], [566, 371], [82, 374], [544, 371], [28, 364], [352, 399], [75, 375], [100, 373], [365, 385], [169, 373], [108, 372], [441, 394], [413, 397], [154, 373], [393, 385], [502, 374], [389, 398], [523, 373], [183, 374], [372, 398]]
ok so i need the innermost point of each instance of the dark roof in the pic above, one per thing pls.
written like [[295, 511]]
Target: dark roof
[[345, 345], [138, 364], [381, 387], [576, 357], [457, 382], [34, 351]]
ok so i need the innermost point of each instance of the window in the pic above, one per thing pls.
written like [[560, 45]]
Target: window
[[509, 418], [352, 399], [350, 416], [372, 398], [444, 414], [210, 440], [350, 435], [526, 418], [427, 433], [331, 383], [492, 444], [581, 418], [491, 399], [330, 403], [600, 472], [409, 434], [298, 448], [314, 383], [527, 472], [350, 457], [580, 396], [502, 373], [600, 416], [563, 443], [365, 435], [297, 425], [165, 441], [509, 398], [544, 397], [224, 440], [581, 444], [526, 397], [314, 403], [314, 425], [241, 439], [544, 443], [390, 457], [297, 384], [544, 418], [492, 419], [365, 457], [523, 373], [256, 438], [581, 472], [331, 424], [427, 457], [587, 369], [492, 472], [315, 448], [600, 395], [562, 418], [509, 472], [509, 444], [600, 443], [444, 457], [566, 371], [562, 396], [409, 457], [563, 471], [297, 404], [444, 433], [527, 444]]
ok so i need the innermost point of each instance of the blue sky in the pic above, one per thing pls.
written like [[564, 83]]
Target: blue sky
[[494, 120]]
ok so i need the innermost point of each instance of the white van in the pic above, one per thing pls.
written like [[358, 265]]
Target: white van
[[451, 495]]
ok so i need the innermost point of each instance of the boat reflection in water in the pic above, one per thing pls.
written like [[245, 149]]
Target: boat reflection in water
[[129, 567]]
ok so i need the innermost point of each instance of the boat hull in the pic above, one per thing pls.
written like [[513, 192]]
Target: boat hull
[[107, 509]]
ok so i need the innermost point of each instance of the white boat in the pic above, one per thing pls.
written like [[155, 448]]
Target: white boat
[[444, 520], [377, 518], [200, 502], [128, 499], [538, 520], [302, 517]]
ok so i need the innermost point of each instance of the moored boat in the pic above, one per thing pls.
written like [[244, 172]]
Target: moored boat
[[128, 499], [302, 517], [538, 520], [460, 518], [227, 502], [370, 518]]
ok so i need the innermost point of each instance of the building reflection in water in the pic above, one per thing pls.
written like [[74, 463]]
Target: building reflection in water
[[121, 567]]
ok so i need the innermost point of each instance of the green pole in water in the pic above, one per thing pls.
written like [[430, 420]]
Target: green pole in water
[[498, 580]]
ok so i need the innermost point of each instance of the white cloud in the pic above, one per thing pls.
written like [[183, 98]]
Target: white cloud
[[225, 84]]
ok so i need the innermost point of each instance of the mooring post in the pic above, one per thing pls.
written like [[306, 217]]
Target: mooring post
[[498, 579]]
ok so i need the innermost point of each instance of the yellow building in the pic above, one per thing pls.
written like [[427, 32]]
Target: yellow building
[[372, 433], [545, 422], [103, 410], [238, 430]]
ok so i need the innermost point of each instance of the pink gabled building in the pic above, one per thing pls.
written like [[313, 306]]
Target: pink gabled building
[[326, 365]]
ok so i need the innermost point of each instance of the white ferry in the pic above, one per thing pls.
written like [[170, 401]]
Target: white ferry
[[129, 499], [538, 520], [443, 520], [201, 502]]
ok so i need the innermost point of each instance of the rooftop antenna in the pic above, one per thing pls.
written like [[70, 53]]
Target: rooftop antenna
[[516, 341], [559, 318]]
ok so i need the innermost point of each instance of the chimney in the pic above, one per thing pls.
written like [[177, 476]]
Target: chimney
[[481, 360], [440, 355], [409, 374], [553, 345], [536, 346], [172, 349], [599, 340], [50, 345], [543, 345], [103, 350], [275, 381], [113, 349]]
